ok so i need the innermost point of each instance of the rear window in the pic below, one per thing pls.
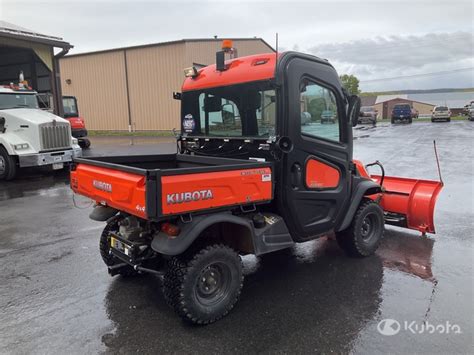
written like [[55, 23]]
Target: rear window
[[366, 109], [441, 108], [402, 107]]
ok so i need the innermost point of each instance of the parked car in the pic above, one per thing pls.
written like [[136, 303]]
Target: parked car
[[414, 113], [328, 116], [368, 115], [402, 112], [441, 113]]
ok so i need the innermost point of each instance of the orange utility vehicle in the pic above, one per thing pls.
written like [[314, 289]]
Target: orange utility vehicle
[[256, 172], [78, 126]]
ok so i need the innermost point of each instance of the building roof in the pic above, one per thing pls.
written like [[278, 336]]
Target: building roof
[[383, 98], [11, 30], [450, 99], [170, 43]]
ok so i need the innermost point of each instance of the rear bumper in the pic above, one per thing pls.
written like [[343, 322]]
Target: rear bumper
[[401, 117], [42, 159], [79, 132]]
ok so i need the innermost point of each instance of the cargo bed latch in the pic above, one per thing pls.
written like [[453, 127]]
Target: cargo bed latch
[[186, 218], [248, 208]]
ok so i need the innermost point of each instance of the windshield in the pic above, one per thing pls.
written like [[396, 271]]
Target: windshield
[[441, 108], [246, 110], [70, 107], [366, 109], [17, 100]]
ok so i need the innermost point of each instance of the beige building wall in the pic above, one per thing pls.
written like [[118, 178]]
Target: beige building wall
[[422, 108], [98, 82], [384, 109], [154, 72]]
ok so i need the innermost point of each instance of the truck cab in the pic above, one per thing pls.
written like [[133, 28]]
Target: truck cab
[[29, 136]]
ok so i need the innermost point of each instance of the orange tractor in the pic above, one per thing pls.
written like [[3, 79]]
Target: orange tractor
[[257, 171]]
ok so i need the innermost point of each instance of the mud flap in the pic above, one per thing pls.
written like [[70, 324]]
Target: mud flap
[[409, 203]]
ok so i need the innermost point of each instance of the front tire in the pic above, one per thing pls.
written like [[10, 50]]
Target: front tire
[[204, 287], [8, 167], [365, 233]]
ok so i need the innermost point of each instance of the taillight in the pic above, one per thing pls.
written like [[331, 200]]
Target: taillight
[[171, 229]]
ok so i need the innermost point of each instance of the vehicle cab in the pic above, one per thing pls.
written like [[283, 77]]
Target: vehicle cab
[[266, 109], [29, 136]]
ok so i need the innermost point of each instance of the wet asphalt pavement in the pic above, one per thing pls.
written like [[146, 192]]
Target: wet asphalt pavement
[[56, 295]]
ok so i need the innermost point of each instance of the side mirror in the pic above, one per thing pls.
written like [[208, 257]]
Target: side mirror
[[2, 125], [354, 109]]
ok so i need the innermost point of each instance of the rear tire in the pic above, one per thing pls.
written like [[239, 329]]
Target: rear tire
[[410, 120], [204, 287], [365, 233], [104, 248], [392, 120], [8, 167]]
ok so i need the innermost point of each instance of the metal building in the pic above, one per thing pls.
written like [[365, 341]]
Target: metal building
[[131, 88], [23, 50]]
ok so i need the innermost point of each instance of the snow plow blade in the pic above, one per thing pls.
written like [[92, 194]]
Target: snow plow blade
[[409, 203]]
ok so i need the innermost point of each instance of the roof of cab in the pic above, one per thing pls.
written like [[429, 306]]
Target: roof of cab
[[239, 70], [9, 90]]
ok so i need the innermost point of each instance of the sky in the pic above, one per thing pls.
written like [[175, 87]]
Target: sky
[[378, 41]]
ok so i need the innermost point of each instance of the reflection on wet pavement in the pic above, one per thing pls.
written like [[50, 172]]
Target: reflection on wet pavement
[[56, 296]]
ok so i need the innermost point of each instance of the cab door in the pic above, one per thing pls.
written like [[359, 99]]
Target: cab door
[[315, 169]]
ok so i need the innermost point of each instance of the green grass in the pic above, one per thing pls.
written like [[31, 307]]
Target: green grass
[[92, 133]]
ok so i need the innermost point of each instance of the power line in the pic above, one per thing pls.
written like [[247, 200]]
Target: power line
[[418, 75]]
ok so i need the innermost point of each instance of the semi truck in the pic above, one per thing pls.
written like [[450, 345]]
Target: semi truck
[[31, 137], [255, 173]]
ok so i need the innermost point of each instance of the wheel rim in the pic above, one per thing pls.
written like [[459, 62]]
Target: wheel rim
[[3, 165], [369, 227], [213, 284]]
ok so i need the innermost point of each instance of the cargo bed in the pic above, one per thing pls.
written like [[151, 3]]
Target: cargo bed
[[155, 187]]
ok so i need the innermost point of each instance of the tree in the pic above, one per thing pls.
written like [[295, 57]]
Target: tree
[[350, 83]]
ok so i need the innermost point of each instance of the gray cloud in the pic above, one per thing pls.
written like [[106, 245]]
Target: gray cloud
[[398, 56], [401, 51], [356, 35]]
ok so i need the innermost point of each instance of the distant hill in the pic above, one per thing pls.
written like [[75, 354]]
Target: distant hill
[[400, 92]]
